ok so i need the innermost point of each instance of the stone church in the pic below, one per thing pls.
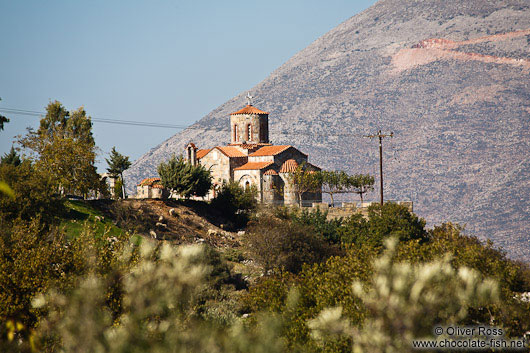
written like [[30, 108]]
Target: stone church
[[251, 160]]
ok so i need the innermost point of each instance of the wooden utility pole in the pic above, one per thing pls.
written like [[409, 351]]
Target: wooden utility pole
[[381, 137]]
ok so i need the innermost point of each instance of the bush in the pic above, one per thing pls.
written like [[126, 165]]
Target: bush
[[160, 296], [383, 222], [281, 245], [405, 302], [235, 202], [33, 191], [328, 229], [34, 258]]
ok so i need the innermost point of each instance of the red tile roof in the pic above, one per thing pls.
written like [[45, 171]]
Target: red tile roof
[[270, 172], [202, 153], [249, 146], [254, 165], [249, 109], [230, 151], [270, 150], [149, 181], [289, 166]]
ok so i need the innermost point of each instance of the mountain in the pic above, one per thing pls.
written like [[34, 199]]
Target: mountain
[[450, 78]]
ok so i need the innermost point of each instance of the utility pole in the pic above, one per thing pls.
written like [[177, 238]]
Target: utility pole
[[381, 137]]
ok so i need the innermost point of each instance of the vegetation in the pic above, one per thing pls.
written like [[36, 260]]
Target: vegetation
[[33, 194], [117, 164], [75, 276], [11, 158], [3, 120], [235, 203], [184, 179], [334, 182], [285, 246], [303, 180], [63, 148]]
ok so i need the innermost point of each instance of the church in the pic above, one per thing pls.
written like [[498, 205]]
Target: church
[[251, 160]]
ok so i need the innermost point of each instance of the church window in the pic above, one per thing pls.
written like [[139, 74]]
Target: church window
[[249, 132], [235, 133], [247, 185]]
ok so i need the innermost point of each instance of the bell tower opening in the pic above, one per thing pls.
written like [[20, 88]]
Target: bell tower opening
[[249, 125]]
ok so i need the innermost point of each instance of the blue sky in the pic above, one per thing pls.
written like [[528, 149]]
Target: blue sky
[[157, 61]]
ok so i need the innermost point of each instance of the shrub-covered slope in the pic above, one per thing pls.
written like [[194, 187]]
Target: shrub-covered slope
[[450, 78]]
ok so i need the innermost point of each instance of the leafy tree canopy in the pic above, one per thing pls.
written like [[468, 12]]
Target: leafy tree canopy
[[305, 179], [3, 120], [64, 149], [183, 178], [235, 202], [11, 158], [117, 162]]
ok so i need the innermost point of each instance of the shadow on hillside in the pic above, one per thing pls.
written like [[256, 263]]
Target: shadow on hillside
[[204, 210]]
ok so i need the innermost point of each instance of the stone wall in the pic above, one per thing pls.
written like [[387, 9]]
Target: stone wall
[[218, 164], [349, 208], [259, 126], [253, 177]]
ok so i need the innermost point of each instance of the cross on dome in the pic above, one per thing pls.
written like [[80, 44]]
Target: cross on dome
[[249, 98]]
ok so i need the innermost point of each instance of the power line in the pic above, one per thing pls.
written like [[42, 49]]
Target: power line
[[167, 126]]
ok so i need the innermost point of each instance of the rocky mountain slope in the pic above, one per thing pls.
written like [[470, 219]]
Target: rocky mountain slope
[[450, 79]]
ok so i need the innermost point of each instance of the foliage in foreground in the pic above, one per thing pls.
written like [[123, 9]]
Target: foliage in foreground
[[160, 296], [165, 285]]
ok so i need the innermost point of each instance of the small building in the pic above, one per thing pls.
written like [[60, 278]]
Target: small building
[[151, 188], [251, 160]]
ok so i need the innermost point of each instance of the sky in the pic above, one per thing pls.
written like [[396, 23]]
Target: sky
[[168, 62]]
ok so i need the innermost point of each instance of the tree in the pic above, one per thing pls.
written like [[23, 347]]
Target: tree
[[3, 120], [11, 158], [118, 163], [390, 220], [64, 148], [360, 184], [235, 202], [333, 182], [303, 179], [32, 194], [185, 179], [277, 244]]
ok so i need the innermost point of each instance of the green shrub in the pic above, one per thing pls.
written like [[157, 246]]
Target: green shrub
[[280, 245], [160, 296], [391, 220], [33, 191], [185, 179], [235, 202]]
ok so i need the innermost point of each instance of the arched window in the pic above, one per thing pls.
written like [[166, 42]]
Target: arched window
[[249, 132], [247, 185], [235, 133]]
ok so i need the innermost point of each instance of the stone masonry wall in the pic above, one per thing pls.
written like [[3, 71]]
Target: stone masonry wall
[[259, 124]]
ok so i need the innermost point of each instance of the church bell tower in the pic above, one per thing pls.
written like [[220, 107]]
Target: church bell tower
[[249, 125]]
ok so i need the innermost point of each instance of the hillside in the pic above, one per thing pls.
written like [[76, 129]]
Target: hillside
[[449, 78]]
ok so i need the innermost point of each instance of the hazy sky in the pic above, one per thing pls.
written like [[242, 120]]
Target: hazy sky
[[157, 61]]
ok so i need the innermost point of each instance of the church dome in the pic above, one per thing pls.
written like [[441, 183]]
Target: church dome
[[250, 109]]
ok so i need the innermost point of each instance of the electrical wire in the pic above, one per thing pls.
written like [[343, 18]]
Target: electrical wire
[[168, 126]]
